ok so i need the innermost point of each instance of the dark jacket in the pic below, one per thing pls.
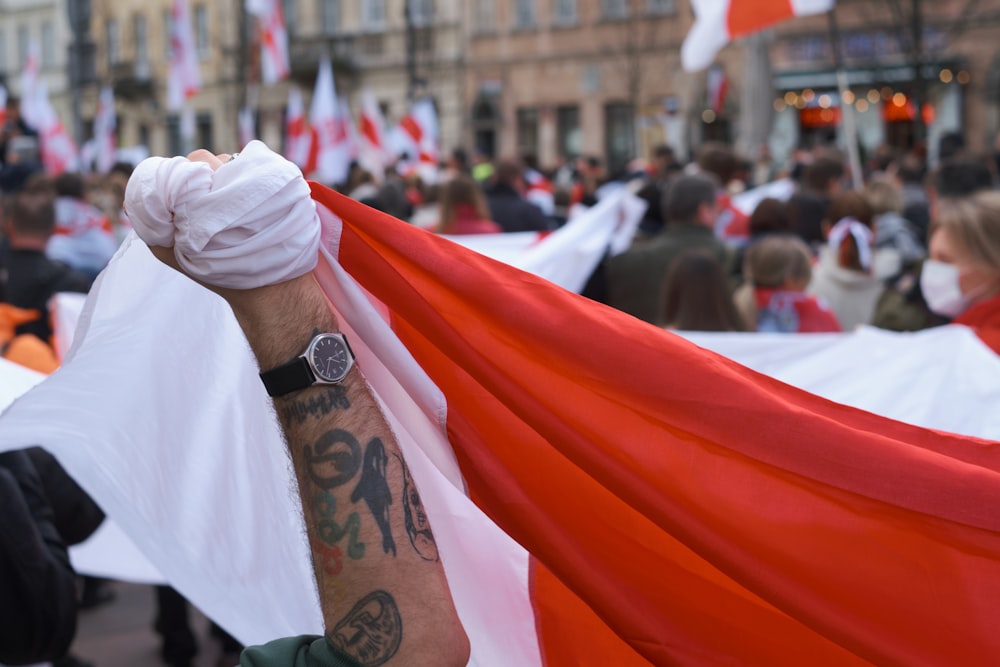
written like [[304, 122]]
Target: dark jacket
[[32, 279], [635, 278], [513, 212], [38, 600]]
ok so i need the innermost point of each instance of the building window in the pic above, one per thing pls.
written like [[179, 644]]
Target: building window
[[661, 7], [203, 132], [569, 141], [330, 16], [619, 135], [23, 39], [373, 16], [486, 16], [421, 12], [290, 11], [3, 52], [527, 131], [565, 12], [140, 31], [201, 31], [112, 42], [614, 9], [525, 14]]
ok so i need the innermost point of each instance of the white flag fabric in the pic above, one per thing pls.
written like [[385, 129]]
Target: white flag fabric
[[246, 120], [58, 150], [717, 22], [184, 75], [274, 61], [333, 151]]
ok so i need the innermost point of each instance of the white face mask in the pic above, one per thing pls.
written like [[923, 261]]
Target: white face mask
[[939, 283]]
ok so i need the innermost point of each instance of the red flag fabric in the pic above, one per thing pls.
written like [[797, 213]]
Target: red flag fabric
[[680, 508]]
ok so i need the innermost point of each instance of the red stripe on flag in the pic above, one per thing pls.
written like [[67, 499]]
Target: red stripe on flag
[[705, 514], [369, 131], [412, 128], [750, 16]]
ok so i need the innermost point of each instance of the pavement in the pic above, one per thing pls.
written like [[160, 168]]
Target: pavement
[[120, 633]]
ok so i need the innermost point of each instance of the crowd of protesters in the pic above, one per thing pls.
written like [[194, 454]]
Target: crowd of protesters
[[915, 248]]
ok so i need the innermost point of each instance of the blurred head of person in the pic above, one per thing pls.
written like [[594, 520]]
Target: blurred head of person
[[959, 177], [849, 231], [964, 265], [29, 216], [884, 195], [780, 262], [696, 294], [461, 198], [824, 175], [771, 216], [691, 199]]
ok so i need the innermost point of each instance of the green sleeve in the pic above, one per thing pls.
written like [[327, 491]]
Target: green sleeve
[[302, 651]]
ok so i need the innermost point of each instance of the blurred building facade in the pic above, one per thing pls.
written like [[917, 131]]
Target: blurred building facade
[[551, 78]]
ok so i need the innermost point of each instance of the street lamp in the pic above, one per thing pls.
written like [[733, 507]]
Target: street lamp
[[81, 58]]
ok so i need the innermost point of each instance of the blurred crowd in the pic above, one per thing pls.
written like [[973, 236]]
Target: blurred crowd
[[915, 247]]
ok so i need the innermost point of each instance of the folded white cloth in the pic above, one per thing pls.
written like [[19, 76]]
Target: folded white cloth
[[247, 224]]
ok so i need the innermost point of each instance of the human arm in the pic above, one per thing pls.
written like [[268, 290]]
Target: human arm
[[382, 590]]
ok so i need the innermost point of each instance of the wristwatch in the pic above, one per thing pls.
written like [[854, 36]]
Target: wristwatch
[[327, 360]]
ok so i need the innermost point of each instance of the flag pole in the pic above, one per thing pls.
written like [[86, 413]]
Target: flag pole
[[846, 110]]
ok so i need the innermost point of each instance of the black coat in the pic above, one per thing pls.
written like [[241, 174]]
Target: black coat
[[513, 212]]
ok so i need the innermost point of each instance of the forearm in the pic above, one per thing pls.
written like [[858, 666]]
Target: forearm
[[382, 588]]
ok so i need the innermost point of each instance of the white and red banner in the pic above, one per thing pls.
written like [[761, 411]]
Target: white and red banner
[[373, 153], [717, 22], [58, 150], [331, 139], [417, 134], [274, 62], [184, 75], [663, 504], [298, 136], [105, 123]]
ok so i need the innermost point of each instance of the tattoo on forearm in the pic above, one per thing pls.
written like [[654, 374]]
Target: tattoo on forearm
[[332, 532], [418, 528], [372, 631], [334, 460], [317, 406], [374, 490]]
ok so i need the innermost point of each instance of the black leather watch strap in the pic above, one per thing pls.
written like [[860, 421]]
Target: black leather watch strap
[[293, 376]]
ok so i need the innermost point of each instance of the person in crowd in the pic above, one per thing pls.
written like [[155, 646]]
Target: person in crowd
[[178, 643], [508, 207], [590, 175], [463, 209], [391, 605], [774, 299], [13, 127], [961, 280], [428, 213], [32, 278], [892, 231], [771, 216], [902, 306], [22, 161], [38, 608], [391, 197], [696, 295], [720, 162], [849, 274], [635, 277], [84, 238], [912, 174], [821, 181], [663, 167], [364, 189]]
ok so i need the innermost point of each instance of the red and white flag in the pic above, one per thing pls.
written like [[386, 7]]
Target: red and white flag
[[417, 134], [658, 503], [184, 76], [274, 62], [3, 105], [104, 131], [717, 88], [58, 150], [717, 22], [298, 136], [331, 140], [373, 154]]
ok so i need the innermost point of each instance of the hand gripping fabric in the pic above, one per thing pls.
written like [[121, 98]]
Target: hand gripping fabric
[[247, 224]]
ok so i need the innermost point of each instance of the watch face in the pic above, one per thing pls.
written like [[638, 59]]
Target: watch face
[[330, 358]]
